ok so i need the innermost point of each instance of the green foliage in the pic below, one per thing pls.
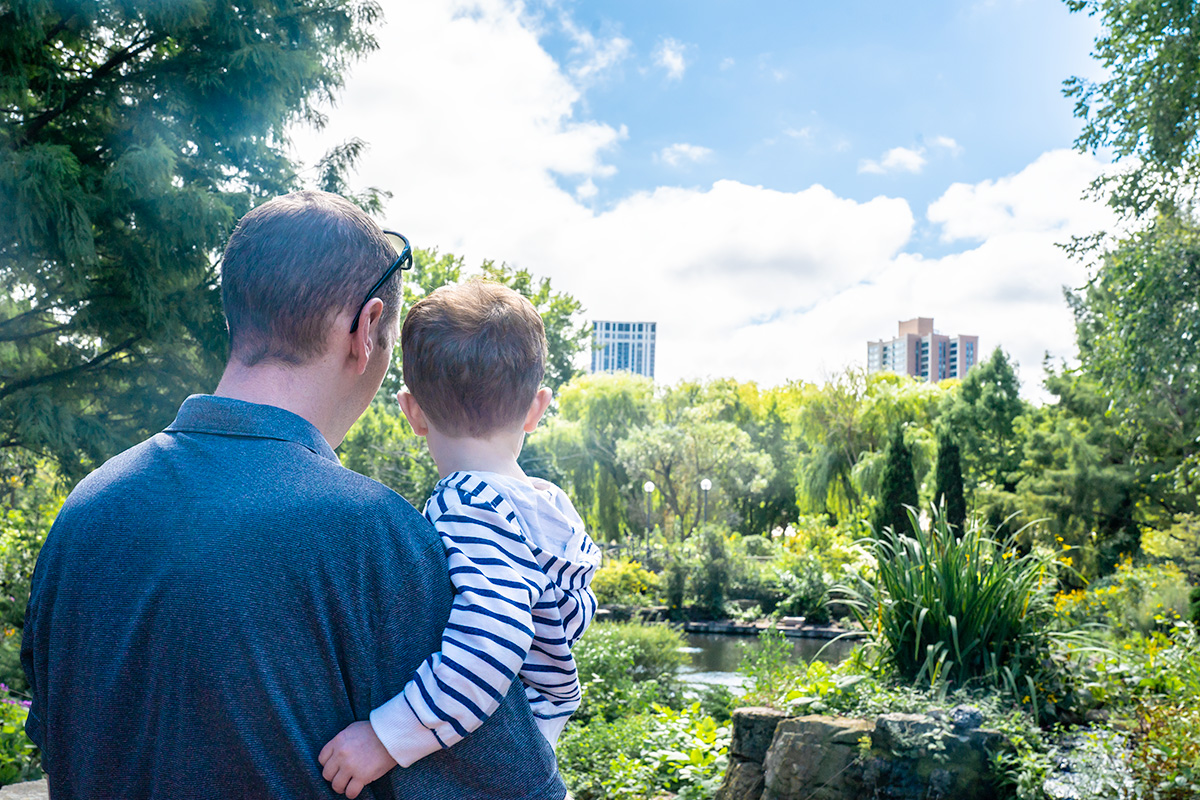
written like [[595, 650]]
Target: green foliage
[[1194, 608], [981, 416], [132, 136], [805, 586], [381, 445], [680, 452], [898, 488], [963, 610], [1136, 322], [1131, 600], [623, 581], [625, 668], [20, 760], [1166, 758], [712, 571], [948, 483], [682, 752], [1147, 110]]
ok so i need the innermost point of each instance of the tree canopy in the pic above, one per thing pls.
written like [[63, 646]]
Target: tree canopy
[[132, 136]]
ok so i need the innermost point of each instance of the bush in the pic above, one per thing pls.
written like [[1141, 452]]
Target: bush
[[626, 667], [805, 586], [681, 752], [623, 581], [1194, 610], [1131, 600], [1166, 757], [944, 610], [712, 571], [20, 759]]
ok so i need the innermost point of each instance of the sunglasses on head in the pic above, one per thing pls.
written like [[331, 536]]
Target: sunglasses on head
[[403, 261]]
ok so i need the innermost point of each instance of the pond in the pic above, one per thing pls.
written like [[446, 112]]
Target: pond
[[714, 658]]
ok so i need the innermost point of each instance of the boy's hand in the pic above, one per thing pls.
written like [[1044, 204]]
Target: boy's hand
[[354, 758]]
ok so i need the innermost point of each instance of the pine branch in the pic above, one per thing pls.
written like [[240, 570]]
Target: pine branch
[[21, 337], [49, 377], [123, 56]]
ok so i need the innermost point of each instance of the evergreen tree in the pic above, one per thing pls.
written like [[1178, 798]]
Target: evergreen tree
[[948, 483], [897, 487], [132, 136]]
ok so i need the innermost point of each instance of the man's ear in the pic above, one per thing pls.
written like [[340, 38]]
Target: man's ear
[[541, 401], [413, 412], [363, 340]]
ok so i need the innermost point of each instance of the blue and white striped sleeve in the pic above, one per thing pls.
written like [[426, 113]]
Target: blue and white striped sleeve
[[497, 582]]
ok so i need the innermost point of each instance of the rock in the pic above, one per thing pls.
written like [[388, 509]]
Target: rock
[[743, 781], [965, 717], [816, 758], [753, 730], [32, 790], [902, 735]]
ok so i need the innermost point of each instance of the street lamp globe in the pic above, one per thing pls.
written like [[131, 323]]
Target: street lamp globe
[[648, 487], [705, 484]]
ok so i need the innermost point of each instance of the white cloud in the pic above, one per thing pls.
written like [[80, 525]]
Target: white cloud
[[670, 56], [898, 159], [677, 154], [592, 58], [945, 143], [727, 63], [744, 281]]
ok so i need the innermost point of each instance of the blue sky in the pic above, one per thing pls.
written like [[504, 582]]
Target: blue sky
[[747, 173]]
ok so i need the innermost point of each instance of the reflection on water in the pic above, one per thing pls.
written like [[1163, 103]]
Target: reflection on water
[[713, 658]]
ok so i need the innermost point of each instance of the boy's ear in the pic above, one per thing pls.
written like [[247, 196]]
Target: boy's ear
[[541, 401], [413, 412]]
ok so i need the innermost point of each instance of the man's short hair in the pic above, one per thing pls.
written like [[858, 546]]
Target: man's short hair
[[474, 357], [291, 266]]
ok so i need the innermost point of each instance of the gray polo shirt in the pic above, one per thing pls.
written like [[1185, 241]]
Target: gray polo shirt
[[214, 604]]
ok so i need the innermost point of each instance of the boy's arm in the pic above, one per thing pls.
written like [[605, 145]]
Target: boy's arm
[[487, 637]]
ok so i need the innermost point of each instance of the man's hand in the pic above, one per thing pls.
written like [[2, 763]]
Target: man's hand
[[354, 758]]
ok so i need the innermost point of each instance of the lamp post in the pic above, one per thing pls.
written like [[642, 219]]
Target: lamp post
[[648, 488], [705, 485]]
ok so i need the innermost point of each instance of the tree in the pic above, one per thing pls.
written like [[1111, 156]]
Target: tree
[[677, 455], [898, 488], [381, 445], [566, 335], [982, 416], [948, 484], [596, 411], [1137, 323], [1147, 110], [132, 136]]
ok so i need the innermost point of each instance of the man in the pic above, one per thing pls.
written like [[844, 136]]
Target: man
[[214, 604]]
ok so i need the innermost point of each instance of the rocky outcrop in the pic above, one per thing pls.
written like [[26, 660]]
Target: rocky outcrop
[[893, 757]]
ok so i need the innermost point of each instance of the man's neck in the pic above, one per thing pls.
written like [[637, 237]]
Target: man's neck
[[304, 390]]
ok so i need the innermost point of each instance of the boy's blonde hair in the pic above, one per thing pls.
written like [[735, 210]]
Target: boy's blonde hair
[[474, 357]]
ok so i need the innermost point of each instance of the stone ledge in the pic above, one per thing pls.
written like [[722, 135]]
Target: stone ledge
[[31, 790]]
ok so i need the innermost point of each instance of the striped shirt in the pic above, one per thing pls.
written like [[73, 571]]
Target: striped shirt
[[522, 565]]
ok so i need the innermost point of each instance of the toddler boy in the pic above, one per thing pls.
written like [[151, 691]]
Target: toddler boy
[[520, 560]]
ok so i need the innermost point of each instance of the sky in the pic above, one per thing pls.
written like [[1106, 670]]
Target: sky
[[773, 183]]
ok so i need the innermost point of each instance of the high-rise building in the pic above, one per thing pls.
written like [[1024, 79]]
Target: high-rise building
[[923, 353], [623, 346]]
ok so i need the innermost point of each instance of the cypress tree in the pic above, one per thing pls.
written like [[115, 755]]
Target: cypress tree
[[132, 137], [897, 487], [948, 491]]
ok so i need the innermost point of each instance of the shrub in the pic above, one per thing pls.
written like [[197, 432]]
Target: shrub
[[1194, 610], [957, 611], [627, 667], [20, 759], [1166, 757], [712, 571], [624, 581], [806, 588], [1133, 599]]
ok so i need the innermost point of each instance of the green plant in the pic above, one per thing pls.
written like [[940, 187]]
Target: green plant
[[675, 580], [20, 760], [1131, 600], [627, 667], [624, 581], [947, 610], [806, 587], [685, 753], [712, 570], [1194, 608], [770, 667]]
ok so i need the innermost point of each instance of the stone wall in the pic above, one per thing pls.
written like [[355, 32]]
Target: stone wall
[[894, 757]]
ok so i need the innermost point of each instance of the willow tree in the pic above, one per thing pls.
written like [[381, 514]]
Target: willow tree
[[132, 136]]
